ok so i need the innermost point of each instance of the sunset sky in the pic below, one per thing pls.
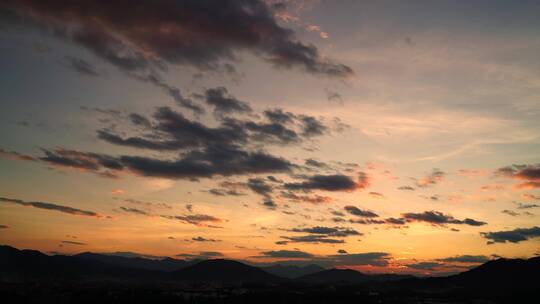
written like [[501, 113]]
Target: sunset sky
[[386, 136]]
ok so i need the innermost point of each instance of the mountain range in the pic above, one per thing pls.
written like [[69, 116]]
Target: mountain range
[[26, 265]]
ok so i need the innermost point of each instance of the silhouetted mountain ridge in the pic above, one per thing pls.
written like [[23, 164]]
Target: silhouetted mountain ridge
[[165, 264], [292, 271], [348, 276]]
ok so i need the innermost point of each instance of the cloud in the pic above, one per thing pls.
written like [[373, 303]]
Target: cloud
[[4, 226], [512, 236], [222, 160], [438, 218], [171, 130], [201, 255], [294, 254], [269, 203], [359, 212], [202, 239], [406, 188], [328, 231], [52, 207], [224, 103], [147, 204], [529, 175], [174, 32], [316, 164], [316, 239], [173, 91], [81, 66], [527, 206], [431, 179], [473, 259], [201, 220], [74, 243], [324, 182], [259, 186], [376, 195], [135, 211], [279, 116], [15, 155], [195, 219], [319, 234], [224, 192], [100, 164], [316, 199], [510, 212]]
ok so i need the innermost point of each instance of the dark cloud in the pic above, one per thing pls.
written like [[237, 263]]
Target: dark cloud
[[312, 126], [473, 259], [328, 231], [269, 203], [279, 116], [201, 255], [527, 206], [395, 221], [513, 236], [224, 103], [294, 254], [310, 162], [438, 218], [315, 199], [316, 239], [100, 164], [510, 212], [174, 92], [135, 211], [342, 251], [202, 239], [74, 243], [147, 204], [529, 175], [196, 219], [324, 182], [171, 130], [205, 34], [52, 207], [337, 213], [406, 188], [81, 66], [259, 186], [4, 226], [222, 160], [359, 212], [225, 192], [140, 120]]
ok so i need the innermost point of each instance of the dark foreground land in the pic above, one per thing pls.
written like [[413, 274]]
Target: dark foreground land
[[28, 276]]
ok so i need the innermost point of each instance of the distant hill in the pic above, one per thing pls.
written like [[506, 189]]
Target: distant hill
[[166, 264], [502, 276], [292, 271], [348, 276], [31, 264], [501, 273], [220, 270]]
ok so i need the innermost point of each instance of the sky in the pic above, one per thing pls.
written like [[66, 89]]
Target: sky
[[382, 136]]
